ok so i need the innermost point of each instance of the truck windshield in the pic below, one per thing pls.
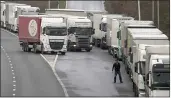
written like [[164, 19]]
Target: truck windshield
[[161, 76], [81, 31], [56, 31]]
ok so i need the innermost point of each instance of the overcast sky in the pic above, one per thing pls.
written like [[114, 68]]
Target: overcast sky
[[85, 5]]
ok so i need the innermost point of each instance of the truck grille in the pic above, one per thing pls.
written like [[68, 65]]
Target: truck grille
[[56, 45], [83, 42]]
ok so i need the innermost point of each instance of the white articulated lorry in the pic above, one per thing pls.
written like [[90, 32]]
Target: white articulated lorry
[[131, 24], [80, 33], [100, 26], [3, 7], [23, 10], [113, 42], [138, 66], [157, 71], [96, 18], [124, 36], [10, 13], [43, 33], [155, 32]]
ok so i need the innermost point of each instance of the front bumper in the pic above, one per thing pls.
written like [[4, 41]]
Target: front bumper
[[81, 47], [47, 48]]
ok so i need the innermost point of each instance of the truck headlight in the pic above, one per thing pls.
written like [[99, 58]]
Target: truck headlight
[[74, 45], [90, 45]]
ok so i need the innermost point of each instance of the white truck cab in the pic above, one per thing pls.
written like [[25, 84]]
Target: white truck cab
[[138, 65], [157, 71], [54, 35], [80, 33], [103, 29], [113, 43]]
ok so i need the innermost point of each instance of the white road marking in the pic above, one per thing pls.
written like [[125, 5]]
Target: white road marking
[[53, 69], [14, 89], [9, 59]]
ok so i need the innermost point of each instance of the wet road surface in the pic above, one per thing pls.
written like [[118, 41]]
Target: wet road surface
[[90, 74], [33, 75]]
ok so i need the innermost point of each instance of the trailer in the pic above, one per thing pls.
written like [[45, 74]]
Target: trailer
[[42, 33], [3, 7], [138, 63], [24, 10], [10, 14], [157, 71], [101, 37], [66, 11], [146, 33], [124, 34], [113, 42]]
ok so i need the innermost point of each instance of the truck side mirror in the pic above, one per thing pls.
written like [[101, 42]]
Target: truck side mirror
[[135, 68], [144, 56], [118, 35], [100, 28], [93, 31], [147, 80], [69, 31], [125, 42]]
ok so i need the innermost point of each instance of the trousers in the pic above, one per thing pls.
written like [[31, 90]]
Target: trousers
[[118, 73]]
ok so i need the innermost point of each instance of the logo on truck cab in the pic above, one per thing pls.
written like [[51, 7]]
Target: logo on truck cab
[[32, 28]]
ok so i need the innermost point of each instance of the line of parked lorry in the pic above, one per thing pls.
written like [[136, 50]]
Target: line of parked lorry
[[141, 46]]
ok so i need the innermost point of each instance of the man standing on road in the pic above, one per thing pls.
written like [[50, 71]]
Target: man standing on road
[[117, 66]]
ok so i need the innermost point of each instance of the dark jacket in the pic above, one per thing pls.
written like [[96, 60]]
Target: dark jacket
[[116, 66]]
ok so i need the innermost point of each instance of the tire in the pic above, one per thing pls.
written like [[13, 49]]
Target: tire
[[24, 48], [63, 53], [34, 49], [29, 49], [101, 46], [42, 52]]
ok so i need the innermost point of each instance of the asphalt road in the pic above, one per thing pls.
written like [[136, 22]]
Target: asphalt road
[[90, 74], [25, 74]]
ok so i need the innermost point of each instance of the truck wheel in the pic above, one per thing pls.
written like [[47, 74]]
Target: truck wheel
[[29, 49], [63, 53], [109, 51], [42, 52], [34, 49], [24, 48]]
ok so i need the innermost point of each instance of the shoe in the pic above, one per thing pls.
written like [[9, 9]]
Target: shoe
[[114, 82], [121, 82]]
